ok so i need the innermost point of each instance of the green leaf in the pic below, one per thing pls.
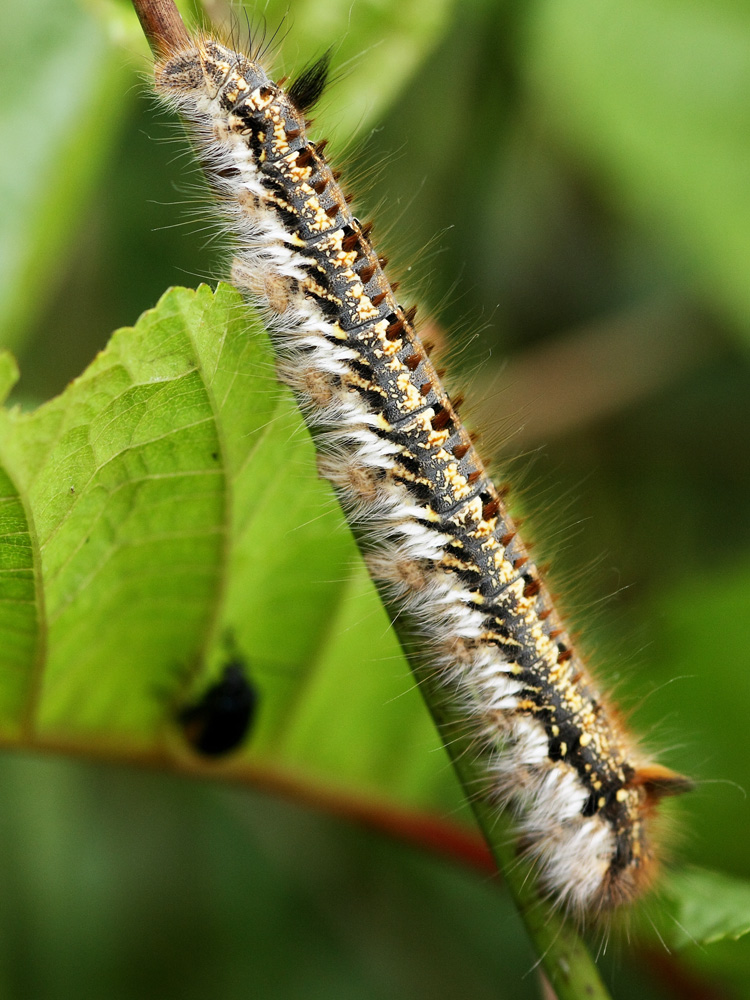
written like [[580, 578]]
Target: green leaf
[[173, 501], [8, 374], [18, 607], [652, 95], [63, 100], [702, 907]]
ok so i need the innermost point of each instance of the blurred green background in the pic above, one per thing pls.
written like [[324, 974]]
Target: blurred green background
[[566, 185]]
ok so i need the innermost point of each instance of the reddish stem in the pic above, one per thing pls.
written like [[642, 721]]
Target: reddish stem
[[162, 25]]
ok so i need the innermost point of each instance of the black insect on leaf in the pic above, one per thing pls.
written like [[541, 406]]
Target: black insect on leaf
[[219, 722]]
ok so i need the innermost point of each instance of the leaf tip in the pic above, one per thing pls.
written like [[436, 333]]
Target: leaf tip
[[9, 374]]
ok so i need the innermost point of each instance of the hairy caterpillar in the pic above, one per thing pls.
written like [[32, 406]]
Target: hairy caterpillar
[[433, 527]]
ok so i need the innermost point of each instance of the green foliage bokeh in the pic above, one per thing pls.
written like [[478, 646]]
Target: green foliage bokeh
[[586, 167]]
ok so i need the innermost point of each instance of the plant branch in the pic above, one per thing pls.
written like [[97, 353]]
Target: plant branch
[[162, 25], [562, 952]]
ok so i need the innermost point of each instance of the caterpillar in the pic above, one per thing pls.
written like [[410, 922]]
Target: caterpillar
[[434, 529]]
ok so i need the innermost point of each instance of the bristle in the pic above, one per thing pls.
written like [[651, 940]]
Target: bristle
[[394, 330], [659, 781], [441, 420], [490, 509], [531, 590], [304, 158], [307, 89]]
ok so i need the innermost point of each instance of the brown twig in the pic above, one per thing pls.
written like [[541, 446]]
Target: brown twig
[[162, 25]]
